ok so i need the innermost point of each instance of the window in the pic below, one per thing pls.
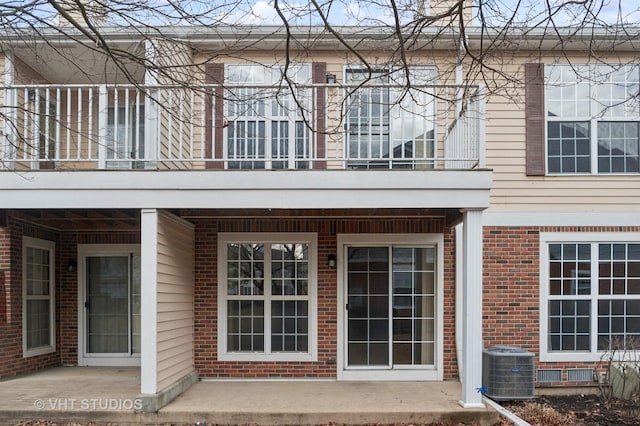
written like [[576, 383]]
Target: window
[[266, 120], [391, 122], [592, 119], [590, 298], [267, 297], [38, 323]]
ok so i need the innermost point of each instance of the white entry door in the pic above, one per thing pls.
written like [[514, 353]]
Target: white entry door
[[110, 303], [391, 312]]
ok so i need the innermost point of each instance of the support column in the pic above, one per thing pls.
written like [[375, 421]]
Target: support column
[[149, 298], [471, 352]]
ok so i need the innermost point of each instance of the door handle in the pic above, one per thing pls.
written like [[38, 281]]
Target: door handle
[[347, 306], [86, 304]]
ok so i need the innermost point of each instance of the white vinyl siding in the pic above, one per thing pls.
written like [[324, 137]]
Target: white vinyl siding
[[176, 245]]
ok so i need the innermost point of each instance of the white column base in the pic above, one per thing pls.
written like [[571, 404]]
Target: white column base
[[471, 405]]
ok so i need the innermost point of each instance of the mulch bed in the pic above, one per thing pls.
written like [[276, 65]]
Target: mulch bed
[[589, 410]]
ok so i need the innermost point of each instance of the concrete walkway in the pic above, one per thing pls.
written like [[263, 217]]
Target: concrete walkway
[[107, 395]]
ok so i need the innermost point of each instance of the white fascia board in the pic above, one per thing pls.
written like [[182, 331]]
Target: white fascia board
[[269, 189], [588, 218]]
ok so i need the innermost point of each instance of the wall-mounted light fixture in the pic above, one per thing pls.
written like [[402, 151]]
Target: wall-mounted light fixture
[[72, 265], [331, 261], [331, 79]]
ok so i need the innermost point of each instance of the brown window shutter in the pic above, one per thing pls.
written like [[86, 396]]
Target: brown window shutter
[[214, 74], [535, 119], [318, 76]]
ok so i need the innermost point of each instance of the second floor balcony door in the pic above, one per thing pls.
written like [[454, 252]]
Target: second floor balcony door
[[125, 136], [267, 121], [390, 122]]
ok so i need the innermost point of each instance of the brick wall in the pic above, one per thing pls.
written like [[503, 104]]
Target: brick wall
[[511, 295], [12, 361], [327, 230]]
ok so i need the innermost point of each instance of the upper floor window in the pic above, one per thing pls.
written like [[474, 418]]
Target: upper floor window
[[389, 125], [267, 122], [593, 118]]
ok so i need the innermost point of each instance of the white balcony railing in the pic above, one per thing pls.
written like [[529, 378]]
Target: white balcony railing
[[241, 127]]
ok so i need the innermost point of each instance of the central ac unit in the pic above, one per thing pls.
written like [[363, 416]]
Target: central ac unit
[[507, 373]]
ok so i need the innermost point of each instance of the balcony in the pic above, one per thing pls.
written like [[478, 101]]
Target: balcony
[[208, 127], [243, 147]]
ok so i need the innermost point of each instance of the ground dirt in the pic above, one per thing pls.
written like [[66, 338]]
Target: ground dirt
[[578, 410]]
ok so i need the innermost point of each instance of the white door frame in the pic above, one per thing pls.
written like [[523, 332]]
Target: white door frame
[[84, 251], [409, 373]]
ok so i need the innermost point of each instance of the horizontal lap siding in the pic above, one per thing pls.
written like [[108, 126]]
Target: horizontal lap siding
[[175, 300], [512, 189]]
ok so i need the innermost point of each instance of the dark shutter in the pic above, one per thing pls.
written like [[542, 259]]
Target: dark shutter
[[318, 76], [534, 116], [214, 74]]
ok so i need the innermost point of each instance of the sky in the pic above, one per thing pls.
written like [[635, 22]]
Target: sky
[[339, 12], [378, 12]]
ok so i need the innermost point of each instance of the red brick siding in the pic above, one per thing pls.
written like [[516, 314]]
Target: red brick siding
[[12, 361], [450, 354], [327, 230], [511, 295]]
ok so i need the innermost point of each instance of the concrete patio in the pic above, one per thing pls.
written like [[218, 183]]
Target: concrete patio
[[108, 395]]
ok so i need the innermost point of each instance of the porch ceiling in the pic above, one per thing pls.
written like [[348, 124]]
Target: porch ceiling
[[129, 219], [80, 63], [83, 219]]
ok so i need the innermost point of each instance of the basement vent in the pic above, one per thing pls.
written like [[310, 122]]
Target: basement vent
[[549, 375], [580, 375]]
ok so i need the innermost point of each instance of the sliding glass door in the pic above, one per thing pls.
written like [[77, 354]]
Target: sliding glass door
[[111, 308], [391, 307]]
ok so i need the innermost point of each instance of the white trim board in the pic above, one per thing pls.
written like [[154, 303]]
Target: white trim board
[[248, 189], [492, 218]]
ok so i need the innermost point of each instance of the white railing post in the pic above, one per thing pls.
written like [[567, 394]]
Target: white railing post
[[481, 120], [103, 120], [151, 108], [151, 116], [9, 141]]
